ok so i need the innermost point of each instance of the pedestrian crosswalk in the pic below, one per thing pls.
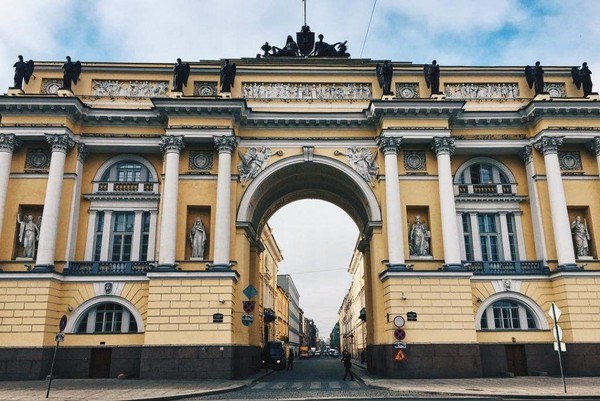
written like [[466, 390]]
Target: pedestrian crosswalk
[[306, 385]]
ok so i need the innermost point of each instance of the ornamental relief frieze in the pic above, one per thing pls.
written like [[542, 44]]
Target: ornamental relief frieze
[[129, 88], [482, 91], [51, 86], [307, 91], [555, 89]]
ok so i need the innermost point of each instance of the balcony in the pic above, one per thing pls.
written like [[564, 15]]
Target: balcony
[[506, 267], [108, 268], [125, 187], [485, 189]]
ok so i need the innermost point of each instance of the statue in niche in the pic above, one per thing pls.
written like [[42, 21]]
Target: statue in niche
[[535, 76], [227, 76], [71, 72], [583, 77], [419, 238], [198, 239], [29, 234], [384, 76], [363, 162], [432, 77], [23, 71], [581, 237], [181, 72], [253, 163]]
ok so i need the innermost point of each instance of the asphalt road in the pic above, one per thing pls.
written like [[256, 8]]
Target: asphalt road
[[317, 378]]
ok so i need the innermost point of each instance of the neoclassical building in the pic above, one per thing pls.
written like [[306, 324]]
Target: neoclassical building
[[138, 213]]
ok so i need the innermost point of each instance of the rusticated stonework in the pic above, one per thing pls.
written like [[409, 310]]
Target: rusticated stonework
[[482, 91], [129, 88], [307, 91]]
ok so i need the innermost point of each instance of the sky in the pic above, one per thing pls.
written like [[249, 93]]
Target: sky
[[454, 32]]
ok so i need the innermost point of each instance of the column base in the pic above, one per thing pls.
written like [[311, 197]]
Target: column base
[[166, 267], [42, 268], [398, 267], [15, 92], [456, 267], [220, 266], [65, 92], [568, 267]]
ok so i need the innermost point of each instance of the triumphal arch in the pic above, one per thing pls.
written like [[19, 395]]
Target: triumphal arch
[[132, 201]]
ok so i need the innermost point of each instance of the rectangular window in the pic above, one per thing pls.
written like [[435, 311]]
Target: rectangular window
[[129, 172], [466, 222], [98, 235], [512, 237], [121, 236], [489, 237], [145, 236]]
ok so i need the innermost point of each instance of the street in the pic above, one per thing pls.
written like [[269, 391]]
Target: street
[[315, 378]]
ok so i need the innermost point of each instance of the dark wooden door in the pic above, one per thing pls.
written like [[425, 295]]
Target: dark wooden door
[[100, 363], [516, 361]]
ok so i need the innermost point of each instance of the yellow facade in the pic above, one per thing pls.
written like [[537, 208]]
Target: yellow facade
[[497, 174]]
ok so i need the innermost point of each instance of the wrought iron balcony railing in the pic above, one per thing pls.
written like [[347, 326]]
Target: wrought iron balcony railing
[[507, 267], [108, 268], [485, 189]]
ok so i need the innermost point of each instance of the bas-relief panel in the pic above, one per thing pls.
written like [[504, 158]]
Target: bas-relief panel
[[555, 89], [307, 91], [129, 88], [482, 91], [205, 89], [51, 86]]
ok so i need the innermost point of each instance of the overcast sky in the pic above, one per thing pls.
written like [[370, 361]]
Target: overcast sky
[[455, 32]]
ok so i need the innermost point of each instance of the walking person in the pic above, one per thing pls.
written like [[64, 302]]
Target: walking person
[[347, 361], [290, 360]]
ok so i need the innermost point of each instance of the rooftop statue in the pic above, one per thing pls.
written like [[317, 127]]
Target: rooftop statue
[[181, 72], [582, 77], [71, 71], [306, 47], [535, 76], [432, 77], [227, 76], [23, 71], [324, 49], [289, 50], [384, 76]]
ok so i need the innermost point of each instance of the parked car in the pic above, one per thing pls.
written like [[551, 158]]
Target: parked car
[[277, 351], [317, 353], [303, 353]]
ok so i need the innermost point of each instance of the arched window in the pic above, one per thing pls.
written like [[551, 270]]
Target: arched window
[[508, 314], [107, 317], [483, 173], [127, 171]]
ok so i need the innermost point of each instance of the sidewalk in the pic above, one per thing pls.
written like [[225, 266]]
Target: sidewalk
[[517, 387], [114, 389]]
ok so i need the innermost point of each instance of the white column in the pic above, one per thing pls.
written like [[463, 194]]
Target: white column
[[461, 236], [504, 234], [444, 147], [565, 253], [48, 232], [75, 202], [534, 204], [91, 235], [171, 146], [394, 221], [152, 235], [106, 230], [475, 238], [520, 237], [8, 144], [225, 146], [137, 236]]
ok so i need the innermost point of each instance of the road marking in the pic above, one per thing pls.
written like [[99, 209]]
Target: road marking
[[279, 386], [298, 385], [315, 385], [259, 386], [353, 384], [335, 385]]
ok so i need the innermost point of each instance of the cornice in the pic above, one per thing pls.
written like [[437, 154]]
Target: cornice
[[414, 108], [497, 198], [122, 196]]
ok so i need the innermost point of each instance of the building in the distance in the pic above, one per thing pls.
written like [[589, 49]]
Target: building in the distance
[[139, 214], [287, 284], [352, 312]]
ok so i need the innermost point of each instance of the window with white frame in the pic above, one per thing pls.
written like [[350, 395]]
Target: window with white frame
[[483, 173], [107, 318], [508, 315], [122, 227]]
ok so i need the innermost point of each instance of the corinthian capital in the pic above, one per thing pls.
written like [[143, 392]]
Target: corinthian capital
[[389, 145], [171, 143], [226, 143], [526, 154], [443, 145], [594, 146], [548, 144], [9, 143], [60, 142]]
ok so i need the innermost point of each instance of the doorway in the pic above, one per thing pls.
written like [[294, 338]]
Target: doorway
[[516, 362], [100, 363]]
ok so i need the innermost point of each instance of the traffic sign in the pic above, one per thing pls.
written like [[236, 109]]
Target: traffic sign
[[399, 334], [399, 321], [247, 319], [250, 292], [60, 337], [556, 329], [563, 347], [63, 323], [554, 312], [248, 306], [400, 356], [399, 345]]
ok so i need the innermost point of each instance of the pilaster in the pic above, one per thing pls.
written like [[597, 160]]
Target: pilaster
[[9, 143]]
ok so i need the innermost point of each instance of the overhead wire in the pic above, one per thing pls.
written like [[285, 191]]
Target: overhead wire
[[368, 27]]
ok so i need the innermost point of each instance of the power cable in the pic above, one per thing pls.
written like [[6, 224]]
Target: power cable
[[368, 27]]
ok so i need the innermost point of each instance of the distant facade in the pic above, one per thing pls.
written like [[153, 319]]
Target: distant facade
[[352, 313], [282, 327], [139, 214], [286, 282]]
